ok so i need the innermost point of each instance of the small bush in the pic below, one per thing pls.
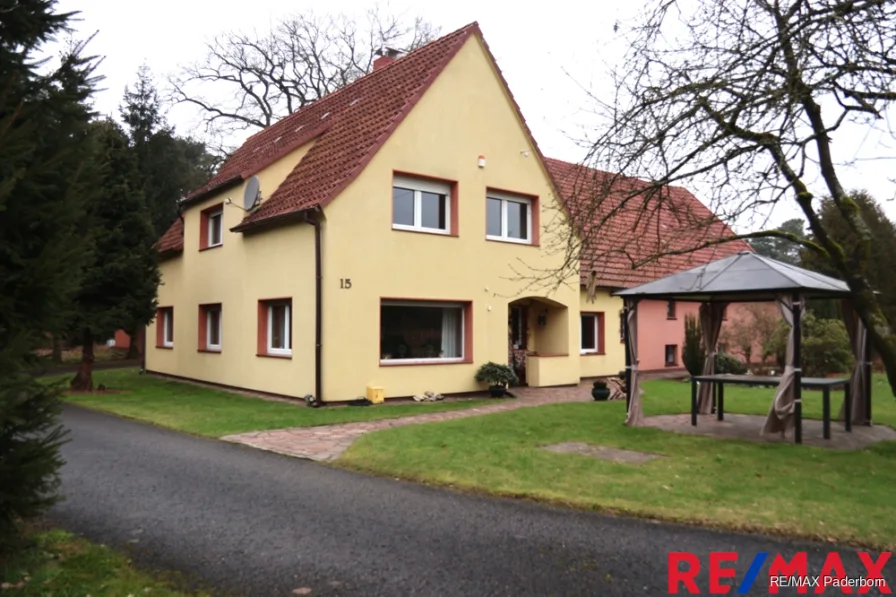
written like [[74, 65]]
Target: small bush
[[825, 346], [496, 374], [693, 354], [730, 364]]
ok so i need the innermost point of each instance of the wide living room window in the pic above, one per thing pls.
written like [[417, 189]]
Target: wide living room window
[[421, 205], [420, 331], [508, 218]]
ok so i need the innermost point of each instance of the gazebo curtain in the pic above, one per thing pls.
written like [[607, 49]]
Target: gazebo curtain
[[858, 384], [635, 415], [780, 417], [711, 315]]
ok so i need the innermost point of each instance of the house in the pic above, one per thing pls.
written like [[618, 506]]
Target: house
[[374, 239], [617, 235]]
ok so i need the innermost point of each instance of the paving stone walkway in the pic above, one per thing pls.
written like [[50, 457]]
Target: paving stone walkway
[[328, 442]]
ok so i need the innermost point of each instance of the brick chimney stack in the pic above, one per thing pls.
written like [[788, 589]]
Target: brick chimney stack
[[386, 56]]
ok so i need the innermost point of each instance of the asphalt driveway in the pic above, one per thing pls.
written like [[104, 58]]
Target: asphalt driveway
[[255, 523]]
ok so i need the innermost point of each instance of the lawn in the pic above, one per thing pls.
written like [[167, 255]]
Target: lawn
[[215, 413], [843, 496], [58, 564]]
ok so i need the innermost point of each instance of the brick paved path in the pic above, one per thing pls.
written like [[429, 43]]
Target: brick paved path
[[328, 442]]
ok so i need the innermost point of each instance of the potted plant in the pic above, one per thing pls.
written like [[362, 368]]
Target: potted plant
[[497, 376], [599, 390]]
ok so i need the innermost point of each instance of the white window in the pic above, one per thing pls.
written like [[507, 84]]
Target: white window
[[213, 328], [421, 205], [168, 327], [422, 332], [215, 228], [280, 328], [590, 338], [508, 218]]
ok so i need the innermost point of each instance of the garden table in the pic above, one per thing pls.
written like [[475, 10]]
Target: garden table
[[825, 384]]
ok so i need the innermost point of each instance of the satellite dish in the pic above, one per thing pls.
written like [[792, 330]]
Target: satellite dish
[[252, 194]]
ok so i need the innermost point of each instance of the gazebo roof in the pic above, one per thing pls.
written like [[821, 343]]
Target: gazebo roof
[[745, 276]]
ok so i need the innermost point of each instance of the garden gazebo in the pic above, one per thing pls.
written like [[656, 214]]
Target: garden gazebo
[[748, 277]]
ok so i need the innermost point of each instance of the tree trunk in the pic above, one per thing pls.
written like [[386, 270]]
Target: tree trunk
[[83, 380], [134, 346], [57, 349]]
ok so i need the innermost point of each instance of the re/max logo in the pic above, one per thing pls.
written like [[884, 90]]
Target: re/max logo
[[684, 566]]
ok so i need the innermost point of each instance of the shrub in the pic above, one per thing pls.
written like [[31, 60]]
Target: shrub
[[693, 353], [825, 346], [496, 374], [30, 437], [730, 364]]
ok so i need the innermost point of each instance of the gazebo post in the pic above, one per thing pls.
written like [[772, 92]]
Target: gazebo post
[[797, 370], [867, 375], [628, 356]]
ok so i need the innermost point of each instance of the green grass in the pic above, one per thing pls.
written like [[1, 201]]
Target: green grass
[[215, 413], [56, 563], [843, 496]]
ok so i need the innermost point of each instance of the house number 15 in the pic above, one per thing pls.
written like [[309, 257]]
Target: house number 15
[[345, 283]]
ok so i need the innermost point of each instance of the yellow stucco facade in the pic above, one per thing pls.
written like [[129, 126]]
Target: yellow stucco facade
[[465, 114], [237, 274]]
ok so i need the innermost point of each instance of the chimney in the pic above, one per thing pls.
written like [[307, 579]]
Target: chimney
[[386, 56]]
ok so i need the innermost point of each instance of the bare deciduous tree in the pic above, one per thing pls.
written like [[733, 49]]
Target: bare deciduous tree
[[250, 80], [742, 100]]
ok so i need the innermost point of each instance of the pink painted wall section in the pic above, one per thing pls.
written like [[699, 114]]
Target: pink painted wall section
[[122, 340], [657, 330]]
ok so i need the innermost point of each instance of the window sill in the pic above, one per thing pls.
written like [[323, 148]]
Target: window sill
[[593, 353], [435, 231], [418, 362], [274, 356], [549, 354], [671, 365], [211, 350], [510, 241], [165, 346], [210, 247], [671, 318]]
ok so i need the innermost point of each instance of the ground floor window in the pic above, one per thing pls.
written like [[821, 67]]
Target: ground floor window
[[422, 331], [671, 354], [591, 338], [210, 327], [275, 327], [165, 327]]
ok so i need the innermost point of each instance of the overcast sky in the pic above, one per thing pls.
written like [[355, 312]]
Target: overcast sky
[[547, 56]]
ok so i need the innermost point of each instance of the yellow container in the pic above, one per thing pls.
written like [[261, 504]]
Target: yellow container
[[376, 394]]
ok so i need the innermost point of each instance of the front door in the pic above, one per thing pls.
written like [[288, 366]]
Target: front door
[[517, 336]]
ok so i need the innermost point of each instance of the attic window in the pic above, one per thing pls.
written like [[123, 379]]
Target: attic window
[[421, 205]]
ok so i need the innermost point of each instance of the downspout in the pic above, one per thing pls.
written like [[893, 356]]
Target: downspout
[[317, 399]]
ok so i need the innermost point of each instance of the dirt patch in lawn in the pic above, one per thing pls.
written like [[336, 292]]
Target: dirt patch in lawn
[[94, 392], [602, 452]]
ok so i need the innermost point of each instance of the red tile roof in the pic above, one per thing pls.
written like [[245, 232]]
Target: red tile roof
[[348, 126], [357, 120], [618, 233], [173, 239]]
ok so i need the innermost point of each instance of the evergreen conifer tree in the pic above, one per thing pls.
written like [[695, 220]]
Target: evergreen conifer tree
[[44, 116]]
